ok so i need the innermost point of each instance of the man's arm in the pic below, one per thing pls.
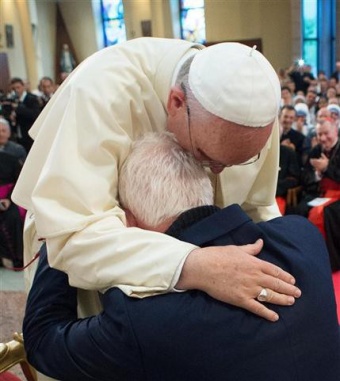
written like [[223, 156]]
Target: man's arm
[[64, 347], [107, 254]]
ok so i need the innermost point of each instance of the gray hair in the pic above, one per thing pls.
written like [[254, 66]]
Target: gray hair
[[182, 80], [5, 122], [183, 74], [159, 180]]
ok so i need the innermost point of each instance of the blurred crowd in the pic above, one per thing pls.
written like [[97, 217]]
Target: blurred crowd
[[309, 122]]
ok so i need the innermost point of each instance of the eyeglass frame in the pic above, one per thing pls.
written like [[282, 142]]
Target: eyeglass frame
[[209, 163]]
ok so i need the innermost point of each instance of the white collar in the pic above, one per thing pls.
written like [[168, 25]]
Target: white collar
[[21, 99]]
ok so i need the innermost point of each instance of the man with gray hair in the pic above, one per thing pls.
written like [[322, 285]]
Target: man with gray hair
[[189, 336], [8, 146], [322, 170], [170, 181], [70, 181]]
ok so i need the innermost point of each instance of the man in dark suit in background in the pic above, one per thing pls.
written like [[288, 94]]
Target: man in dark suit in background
[[190, 336], [7, 145], [289, 171], [11, 224], [25, 111]]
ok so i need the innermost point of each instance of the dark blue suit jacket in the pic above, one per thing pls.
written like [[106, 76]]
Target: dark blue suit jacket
[[190, 336]]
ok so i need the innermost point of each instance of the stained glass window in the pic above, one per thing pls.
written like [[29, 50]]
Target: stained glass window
[[113, 22], [192, 20], [310, 32], [318, 34]]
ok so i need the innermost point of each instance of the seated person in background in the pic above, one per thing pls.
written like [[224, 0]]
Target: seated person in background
[[11, 224], [323, 114], [301, 124], [322, 87], [290, 137], [9, 146], [311, 100], [286, 96], [289, 171], [331, 91], [322, 102], [289, 175], [334, 109], [322, 170], [189, 336], [334, 101]]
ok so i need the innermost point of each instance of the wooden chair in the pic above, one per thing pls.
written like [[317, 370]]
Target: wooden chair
[[291, 199], [293, 196], [13, 353]]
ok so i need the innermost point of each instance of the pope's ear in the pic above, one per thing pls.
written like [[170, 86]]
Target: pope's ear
[[176, 100]]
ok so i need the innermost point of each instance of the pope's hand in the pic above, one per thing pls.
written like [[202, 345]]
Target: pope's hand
[[234, 275]]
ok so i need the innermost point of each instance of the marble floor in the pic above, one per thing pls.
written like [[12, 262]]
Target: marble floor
[[11, 280], [12, 305]]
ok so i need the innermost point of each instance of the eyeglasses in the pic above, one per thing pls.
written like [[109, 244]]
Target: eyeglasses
[[211, 163]]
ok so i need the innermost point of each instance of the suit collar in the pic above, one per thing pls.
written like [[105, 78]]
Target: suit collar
[[227, 221], [23, 96]]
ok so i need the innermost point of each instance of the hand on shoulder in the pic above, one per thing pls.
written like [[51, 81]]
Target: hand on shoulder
[[233, 274]]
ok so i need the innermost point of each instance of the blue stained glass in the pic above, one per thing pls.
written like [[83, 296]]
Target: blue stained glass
[[310, 52], [113, 22], [114, 32], [193, 25], [113, 9], [192, 4], [319, 34], [193, 20], [309, 10]]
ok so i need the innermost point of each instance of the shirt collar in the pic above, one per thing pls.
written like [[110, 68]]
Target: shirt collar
[[21, 99]]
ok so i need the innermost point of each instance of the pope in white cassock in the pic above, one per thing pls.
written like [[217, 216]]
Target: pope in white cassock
[[222, 108]]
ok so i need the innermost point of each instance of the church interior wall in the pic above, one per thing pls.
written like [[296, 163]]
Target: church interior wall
[[272, 21]]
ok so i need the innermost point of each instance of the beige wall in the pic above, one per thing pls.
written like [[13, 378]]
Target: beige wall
[[31, 57], [46, 37], [80, 25], [16, 58], [135, 12], [239, 20]]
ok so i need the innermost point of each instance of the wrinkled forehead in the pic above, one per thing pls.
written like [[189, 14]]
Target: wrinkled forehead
[[230, 139], [17, 85], [325, 128]]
